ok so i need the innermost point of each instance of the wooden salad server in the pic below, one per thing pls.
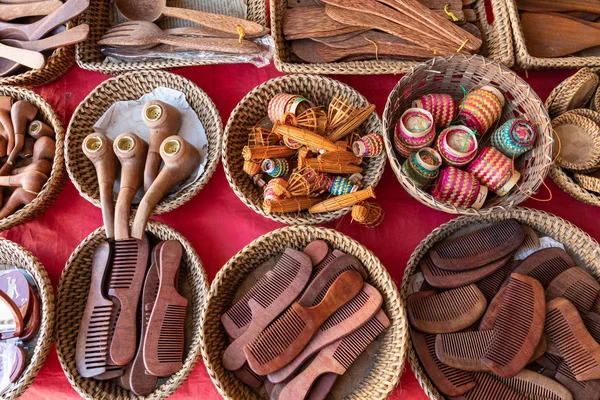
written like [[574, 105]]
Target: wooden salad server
[[38, 129], [9, 12], [591, 6], [22, 112], [13, 55]]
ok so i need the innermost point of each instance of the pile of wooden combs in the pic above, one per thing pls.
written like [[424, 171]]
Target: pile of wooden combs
[[108, 334], [559, 28], [312, 310], [27, 150], [343, 30], [486, 326], [26, 40]]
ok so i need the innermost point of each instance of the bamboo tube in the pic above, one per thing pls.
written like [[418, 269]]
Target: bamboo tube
[[303, 183], [343, 201], [339, 110], [304, 137], [327, 166], [259, 153], [313, 119], [262, 137], [368, 213], [341, 157], [351, 123], [290, 205]]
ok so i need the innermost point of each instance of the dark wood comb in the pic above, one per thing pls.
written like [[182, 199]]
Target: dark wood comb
[[536, 386], [264, 302], [490, 285], [446, 279], [249, 377], [577, 286], [567, 332], [92, 340], [581, 390], [322, 386], [489, 388], [479, 248], [545, 265], [549, 361], [287, 336], [445, 312], [163, 342], [531, 241], [450, 381], [464, 350], [337, 357], [317, 250], [344, 321]]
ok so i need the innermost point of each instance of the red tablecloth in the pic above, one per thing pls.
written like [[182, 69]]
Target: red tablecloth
[[218, 224]]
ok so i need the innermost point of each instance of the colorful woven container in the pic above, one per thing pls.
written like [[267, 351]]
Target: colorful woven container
[[415, 130], [276, 167], [441, 106], [459, 188], [481, 108], [422, 167], [370, 145], [514, 137], [270, 193], [457, 145], [283, 103], [494, 170], [341, 185]]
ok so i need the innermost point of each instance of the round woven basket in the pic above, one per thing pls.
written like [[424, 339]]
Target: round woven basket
[[568, 184], [451, 75], [131, 86], [55, 183], [252, 108], [584, 250], [387, 367], [11, 254], [71, 297]]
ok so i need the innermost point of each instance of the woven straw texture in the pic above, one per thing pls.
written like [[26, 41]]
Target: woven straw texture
[[389, 361], [596, 101], [496, 35], [71, 298], [566, 183], [11, 254], [132, 86], [568, 91], [97, 17], [55, 183], [584, 250], [526, 61], [450, 75], [252, 108]]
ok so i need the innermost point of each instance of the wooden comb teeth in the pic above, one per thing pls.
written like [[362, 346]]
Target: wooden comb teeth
[[319, 268], [531, 240], [446, 279], [536, 386], [577, 286], [545, 265], [581, 390], [445, 312], [249, 377], [566, 330], [479, 248], [490, 285], [549, 361], [490, 388], [450, 381], [464, 350]]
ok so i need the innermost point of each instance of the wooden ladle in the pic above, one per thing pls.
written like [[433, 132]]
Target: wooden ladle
[[14, 56], [9, 12]]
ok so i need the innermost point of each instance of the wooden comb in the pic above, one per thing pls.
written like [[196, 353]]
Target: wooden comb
[[445, 279], [287, 336], [480, 247], [489, 388], [531, 241], [449, 311], [249, 377], [545, 265], [566, 330], [464, 350], [577, 286], [549, 361], [450, 381], [318, 251], [264, 302], [490, 285], [536, 386], [344, 321], [163, 342], [581, 390], [337, 357]]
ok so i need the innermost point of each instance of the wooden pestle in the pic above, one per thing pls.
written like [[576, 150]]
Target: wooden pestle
[[181, 159], [131, 152], [28, 183], [163, 120], [6, 126], [21, 113], [98, 148], [37, 129]]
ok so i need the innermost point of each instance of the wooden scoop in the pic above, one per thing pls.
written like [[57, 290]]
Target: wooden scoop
[[16, 56], [592, 6], [13, 11]]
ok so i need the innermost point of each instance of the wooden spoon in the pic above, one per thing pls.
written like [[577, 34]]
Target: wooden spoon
[[9, 12], [201, 31], [592, 6], [554, 35], [65, 38], [12, 55]]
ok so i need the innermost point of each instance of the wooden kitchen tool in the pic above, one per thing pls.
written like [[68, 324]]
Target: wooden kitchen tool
[[312, 21], [464, 350], [545, 265], [263, 303], [448, 380], [9, 12], [577, 286], [287, 336], [567, 332], [581, 390], [163, 342], [445, 279], [360, 39], [201, 31], [445, 312], [536, 386], [344, 321], [337, 357], [478, 248], [13, 55], [15, 286], [592, 6], [490, 388]]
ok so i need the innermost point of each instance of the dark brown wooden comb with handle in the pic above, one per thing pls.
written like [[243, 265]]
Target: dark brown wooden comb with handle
[[249, 377], [287, 336], [577, 286], [545, 265], [536, 386], [445, 279], [337, 357], [581, 390], [490, 388], [22, 113]]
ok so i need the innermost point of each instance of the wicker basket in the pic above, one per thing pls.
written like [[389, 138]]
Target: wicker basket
[[584, 250], [54, 186], [132, 86], [88, 53], [497, 35], [71, 298], [450, 75], [388, 364], [11, 254], [252, 108], [526, 61], [568, 184]]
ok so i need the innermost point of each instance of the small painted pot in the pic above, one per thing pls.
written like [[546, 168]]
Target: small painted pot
[[494, 170], [370, 145], [441, 106], [459, 188], [457, 145], [514, 137], [422, 167], [414, 131]]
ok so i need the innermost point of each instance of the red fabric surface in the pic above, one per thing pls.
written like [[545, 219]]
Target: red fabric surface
[[218, 224]]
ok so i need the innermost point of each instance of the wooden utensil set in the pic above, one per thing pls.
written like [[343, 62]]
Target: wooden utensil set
[[502, 329], [23, 43], [108, 334], [303, 323], [341, 30]]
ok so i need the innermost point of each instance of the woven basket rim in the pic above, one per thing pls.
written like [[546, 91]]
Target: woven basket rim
[[55, 183], [512, 199], [560, 229], [568, 185], [288, 235], [187, 87], [288, 218], [589, 126]]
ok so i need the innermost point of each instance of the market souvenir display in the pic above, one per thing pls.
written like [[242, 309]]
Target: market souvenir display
[[465, 148]]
